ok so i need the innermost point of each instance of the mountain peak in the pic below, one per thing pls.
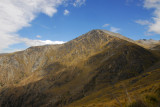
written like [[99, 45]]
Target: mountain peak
[[103, 34], [55, 74]]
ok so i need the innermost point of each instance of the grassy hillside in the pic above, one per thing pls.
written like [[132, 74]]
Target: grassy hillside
[[139, 91], [95, 69]]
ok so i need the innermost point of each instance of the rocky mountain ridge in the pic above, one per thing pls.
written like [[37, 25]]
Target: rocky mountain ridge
[[59, 75]]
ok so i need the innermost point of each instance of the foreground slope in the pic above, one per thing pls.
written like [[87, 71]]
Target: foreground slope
[[69, 74]]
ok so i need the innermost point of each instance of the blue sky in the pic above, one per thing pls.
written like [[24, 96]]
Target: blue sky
[[64, 20]]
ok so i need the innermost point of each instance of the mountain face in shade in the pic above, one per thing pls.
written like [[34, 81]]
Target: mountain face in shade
[[75, 73]]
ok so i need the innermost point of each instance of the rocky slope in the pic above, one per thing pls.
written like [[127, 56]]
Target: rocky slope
[[16, 66], [63, 75]]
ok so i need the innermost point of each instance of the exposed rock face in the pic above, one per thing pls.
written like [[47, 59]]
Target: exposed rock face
[[58, 75]]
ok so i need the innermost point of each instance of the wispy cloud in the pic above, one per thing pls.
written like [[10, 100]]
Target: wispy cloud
[[79, 2], [111, 28], [105, 25], [66, 12], [143, 22], [114, 29], [16, 14]]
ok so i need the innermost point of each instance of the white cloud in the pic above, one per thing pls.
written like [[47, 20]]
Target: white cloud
[[16, 14], [155, 25], [155, 4], [114, 29], [66, 12], [38, 36], [79, 2], [11, 50], [143, 22], [105, 25], [40, 42]]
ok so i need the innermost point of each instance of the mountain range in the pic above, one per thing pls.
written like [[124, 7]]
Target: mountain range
[[98, 69]]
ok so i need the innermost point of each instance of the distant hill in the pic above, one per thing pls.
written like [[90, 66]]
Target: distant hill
[[150, 43], [99, 68]]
